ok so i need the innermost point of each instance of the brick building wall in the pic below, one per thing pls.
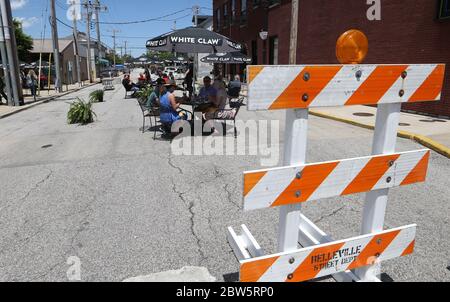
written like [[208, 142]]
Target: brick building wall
[[278, 19], [408, 32]]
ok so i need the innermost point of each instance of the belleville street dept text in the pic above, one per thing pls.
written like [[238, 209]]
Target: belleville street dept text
[[333, 259]]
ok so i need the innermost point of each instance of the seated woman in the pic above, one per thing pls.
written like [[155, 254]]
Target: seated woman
[[169, 107]]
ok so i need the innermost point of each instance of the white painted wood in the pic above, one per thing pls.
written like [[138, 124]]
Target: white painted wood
[[238, 245], [311, 234], [262, 92], [250, 242], [277, 180], [295, 138], [287, 263], [384, 141]]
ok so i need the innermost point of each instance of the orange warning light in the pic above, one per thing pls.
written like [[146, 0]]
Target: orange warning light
[[352, 47]]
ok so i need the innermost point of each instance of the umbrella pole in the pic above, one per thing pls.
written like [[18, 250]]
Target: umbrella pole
[[195, 73]]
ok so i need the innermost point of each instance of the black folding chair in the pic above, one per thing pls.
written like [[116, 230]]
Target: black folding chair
[[221, 114], [152, 112]]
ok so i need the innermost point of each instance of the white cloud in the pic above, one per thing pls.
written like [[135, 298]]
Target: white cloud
[[27, 22], [18, 4]]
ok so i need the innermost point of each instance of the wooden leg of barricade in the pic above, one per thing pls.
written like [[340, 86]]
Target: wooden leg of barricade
[[384, 141], [296, 136]]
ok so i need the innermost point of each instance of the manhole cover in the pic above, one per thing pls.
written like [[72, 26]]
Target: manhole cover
[[364, 114], [46, 146]]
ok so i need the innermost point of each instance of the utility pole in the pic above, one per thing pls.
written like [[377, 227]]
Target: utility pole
[[126, 42], [58, 82], [5, 7], [114, 32], [98, 7], [5, 62], [75, 18], [294, 33], [87, 6]]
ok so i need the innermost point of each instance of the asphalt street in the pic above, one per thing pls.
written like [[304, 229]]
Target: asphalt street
[[126, 206]]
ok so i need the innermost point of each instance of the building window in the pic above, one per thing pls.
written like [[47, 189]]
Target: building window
[[225, 15], [273, 50], [444, 9], [218, 19], [243, 11], [233, 11], [256, 3]]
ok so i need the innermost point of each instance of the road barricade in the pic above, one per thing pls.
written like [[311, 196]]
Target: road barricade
[[306, 252]]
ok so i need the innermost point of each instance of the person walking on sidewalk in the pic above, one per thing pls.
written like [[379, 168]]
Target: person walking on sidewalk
[[32, 82]]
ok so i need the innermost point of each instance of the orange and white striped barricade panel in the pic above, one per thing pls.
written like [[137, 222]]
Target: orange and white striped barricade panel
[[308, 86], [330, 258], [289, 185]]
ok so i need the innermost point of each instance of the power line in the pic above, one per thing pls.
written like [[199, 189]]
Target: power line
[[149, 20]]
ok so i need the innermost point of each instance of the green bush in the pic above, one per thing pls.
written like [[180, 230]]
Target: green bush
[[96, 96], [80, 113], [144, 93]]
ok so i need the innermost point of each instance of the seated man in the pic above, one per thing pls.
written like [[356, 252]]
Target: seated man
[[128, 85], [234, 87], [209, 92]]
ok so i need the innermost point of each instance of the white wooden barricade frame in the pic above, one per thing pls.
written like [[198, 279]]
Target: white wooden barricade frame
[[404, 83]]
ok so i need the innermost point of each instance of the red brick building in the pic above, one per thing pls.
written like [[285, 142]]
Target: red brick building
[[408, 32]]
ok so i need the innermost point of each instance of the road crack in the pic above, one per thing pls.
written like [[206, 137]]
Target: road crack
[[190, 206], [329, 215]]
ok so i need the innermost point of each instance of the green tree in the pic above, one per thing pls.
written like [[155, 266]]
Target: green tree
[[110, 58], [24, 41]]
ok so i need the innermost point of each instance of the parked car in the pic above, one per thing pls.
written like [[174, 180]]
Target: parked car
[[109, 73]]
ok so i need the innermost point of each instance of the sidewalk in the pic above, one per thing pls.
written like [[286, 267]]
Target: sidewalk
[[45, 96], [433, 133]]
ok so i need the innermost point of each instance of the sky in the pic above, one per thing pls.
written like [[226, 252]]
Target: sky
[[35, 15]]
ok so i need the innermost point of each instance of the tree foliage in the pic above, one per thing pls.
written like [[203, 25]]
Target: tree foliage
[[24, 41]]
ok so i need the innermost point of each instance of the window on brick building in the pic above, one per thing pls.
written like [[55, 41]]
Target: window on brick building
[[243, 11], [218, 19], [273, 50], [444, 10], [225, 14], [233, 11]]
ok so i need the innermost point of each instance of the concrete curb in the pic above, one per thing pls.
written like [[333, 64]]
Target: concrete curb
[[421, 139], [44, 101]]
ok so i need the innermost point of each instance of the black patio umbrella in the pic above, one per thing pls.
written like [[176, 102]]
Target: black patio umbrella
[[193, 40], [227, 58]]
